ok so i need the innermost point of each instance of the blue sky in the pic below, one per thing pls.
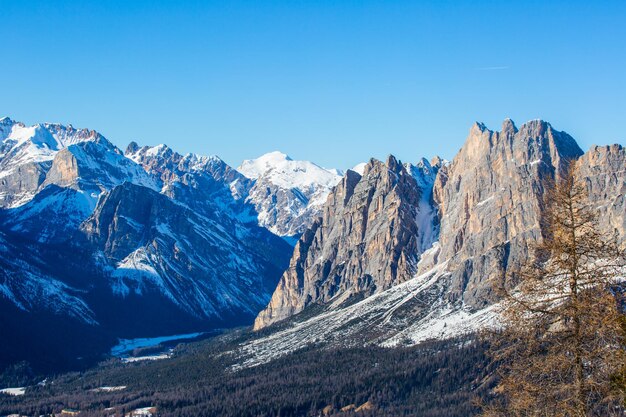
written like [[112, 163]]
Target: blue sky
[[334, 82]]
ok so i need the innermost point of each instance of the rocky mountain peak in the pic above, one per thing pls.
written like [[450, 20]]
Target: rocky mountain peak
[[489, 201], [132, 148], [393, 164], [436, 161], [6, 121], [27, 154], [366, 241], [508, 127], [163, 160], [287, 194]]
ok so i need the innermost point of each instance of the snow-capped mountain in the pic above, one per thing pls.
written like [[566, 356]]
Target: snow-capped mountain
[[26, 154], [287, 194], [103, 243], [146, 229], [208, 267]]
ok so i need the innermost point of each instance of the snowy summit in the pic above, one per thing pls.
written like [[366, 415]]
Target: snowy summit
[[284, 172]]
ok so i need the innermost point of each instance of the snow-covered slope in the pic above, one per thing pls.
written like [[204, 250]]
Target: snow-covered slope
[[26, 282], [287, 194], [208, 267], [280, 170], [427, 219], [33, 157], [406, 314], [166, 240]]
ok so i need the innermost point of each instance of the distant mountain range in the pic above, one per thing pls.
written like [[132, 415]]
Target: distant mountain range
[[142, 242], [98, 244]]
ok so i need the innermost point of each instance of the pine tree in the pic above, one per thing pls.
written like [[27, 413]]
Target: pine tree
[[561, 349]]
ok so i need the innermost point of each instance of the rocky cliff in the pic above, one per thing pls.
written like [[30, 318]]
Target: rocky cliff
[[483, 216], [603, 168], [490, 202], [155, 244], [366, 241]]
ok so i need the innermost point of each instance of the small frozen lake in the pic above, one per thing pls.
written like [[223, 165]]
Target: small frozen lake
[[125, 346]]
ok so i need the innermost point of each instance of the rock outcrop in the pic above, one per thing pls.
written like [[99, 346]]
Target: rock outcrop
[[367, 240], [484, 209], [603, 169], [490, 203], [26, 155], [156, 244]]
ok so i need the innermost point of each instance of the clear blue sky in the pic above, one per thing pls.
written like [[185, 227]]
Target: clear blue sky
[[331, 81]]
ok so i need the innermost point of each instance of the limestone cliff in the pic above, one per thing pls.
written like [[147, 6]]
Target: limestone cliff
[[490, 202], [603, 169], [366, 241]]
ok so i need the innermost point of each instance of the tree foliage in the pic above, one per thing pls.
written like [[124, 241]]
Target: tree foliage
[[561, 349], [435, 379]]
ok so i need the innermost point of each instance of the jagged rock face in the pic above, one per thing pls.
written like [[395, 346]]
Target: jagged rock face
[[155, 244], [367, 240], [21, 183], [205, 183], [26, 154], [94, 167], [490, 203], [602, 168], [287, 195], [170, 166]]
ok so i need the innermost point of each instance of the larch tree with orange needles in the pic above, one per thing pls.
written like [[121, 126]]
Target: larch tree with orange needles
[[561, 349]]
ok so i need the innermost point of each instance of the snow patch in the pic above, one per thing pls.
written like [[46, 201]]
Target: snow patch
[[109, 389], [13, 391], [359, 168], [284, 172], [158, 357], [485, 201]]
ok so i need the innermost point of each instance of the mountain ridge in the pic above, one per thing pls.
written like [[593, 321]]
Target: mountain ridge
[[396, 254]]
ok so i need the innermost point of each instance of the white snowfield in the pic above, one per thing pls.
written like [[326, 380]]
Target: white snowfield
[[13, 391], [284, 172], [147, 358], [141, 412], [109, 389], [387, 319]]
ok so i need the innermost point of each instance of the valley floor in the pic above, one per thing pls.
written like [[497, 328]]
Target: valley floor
[[430, 379]]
